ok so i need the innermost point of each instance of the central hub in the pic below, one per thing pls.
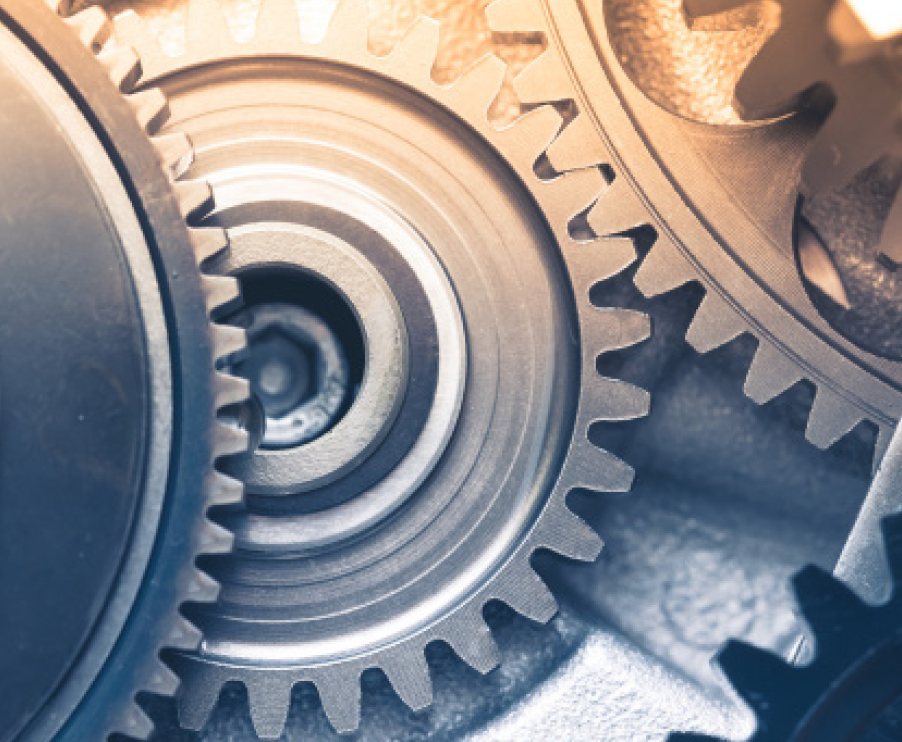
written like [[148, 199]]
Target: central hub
[[298, 371], [329, 389]]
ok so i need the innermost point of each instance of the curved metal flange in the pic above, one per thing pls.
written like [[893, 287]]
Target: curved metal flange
[[602, 330]]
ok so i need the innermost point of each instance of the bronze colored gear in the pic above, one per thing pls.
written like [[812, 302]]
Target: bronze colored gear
[[121, 657], [667, 182], [819, 44], [270, 656]]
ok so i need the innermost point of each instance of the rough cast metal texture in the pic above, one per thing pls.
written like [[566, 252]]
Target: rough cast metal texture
[[586, 466], [850, 690], [98, 697]]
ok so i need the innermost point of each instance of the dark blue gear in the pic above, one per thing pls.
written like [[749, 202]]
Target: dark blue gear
[[855, 675]]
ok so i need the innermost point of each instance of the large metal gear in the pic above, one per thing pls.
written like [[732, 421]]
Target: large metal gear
[[109, 384], [850, 691], [691, 196], [685, 190], [354, 184]]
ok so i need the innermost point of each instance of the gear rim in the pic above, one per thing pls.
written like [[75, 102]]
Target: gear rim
[[794, 342], [603, 330], [122, 119]]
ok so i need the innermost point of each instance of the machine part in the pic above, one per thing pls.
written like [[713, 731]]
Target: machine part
[[691, 195], [825, 43], [492, 286], [298, 371], [278, 250], [108, 384], [847, 692]]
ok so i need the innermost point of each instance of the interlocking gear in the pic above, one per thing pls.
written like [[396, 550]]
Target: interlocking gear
[[822, 43], [691, 196], [349, 180], [853, 680], [108, 382]]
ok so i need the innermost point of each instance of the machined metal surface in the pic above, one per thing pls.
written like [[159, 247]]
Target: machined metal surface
[[493, 491], [480, 278], [130, 470]]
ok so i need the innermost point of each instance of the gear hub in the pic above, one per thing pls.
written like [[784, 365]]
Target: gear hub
[[476, 380]]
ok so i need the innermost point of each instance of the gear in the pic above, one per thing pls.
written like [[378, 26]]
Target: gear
[[471, 346], [821, 43], [109, 384], [691, 195], [853, 679]]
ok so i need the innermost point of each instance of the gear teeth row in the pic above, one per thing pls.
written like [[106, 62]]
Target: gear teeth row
[[620, 210], [95, 30], [563, 199], [847, 632], [808, 50]]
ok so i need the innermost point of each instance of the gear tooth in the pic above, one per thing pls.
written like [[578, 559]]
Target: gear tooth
[[415, 54], [208, 243], [715, 324], [348, 32], [201, 588], [474, 92], [771, 373], [230, 440], [524, 591], [571, 193], [664, 269], [197, 695], [544, 80], [770, 87], [408, 674], [857, 133], [206, 29], [222, 293], [614, 399], [228, 341], [183, 635], [534, 131], [595, 469], [830, 419], [195, 197], [230, 390], [214, 539], [175, 151], [278, 25], [339, 693], [163, 681], [223, 489], [151, 109], [598, 260], [269, 699], [515, 16], [92, 26], [612, 329], [472, 641], [122, 65], [618, 209], [131, 30], [826, 603], [565, 533], [756, 675], [578, 146], [134, 722]]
